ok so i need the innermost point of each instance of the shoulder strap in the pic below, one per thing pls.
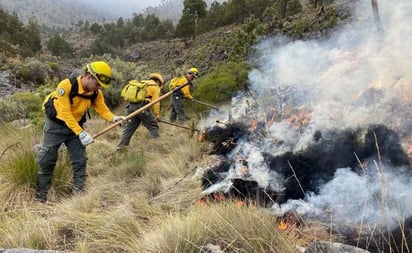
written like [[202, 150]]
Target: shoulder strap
[[75, 91], [148, 82]]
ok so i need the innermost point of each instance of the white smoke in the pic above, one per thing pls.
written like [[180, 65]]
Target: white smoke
[[357, 76], [378, 197], [333, 76]]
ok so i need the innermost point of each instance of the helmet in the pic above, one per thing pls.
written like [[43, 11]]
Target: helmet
[[157, 76], [193, 71], [101, 71]]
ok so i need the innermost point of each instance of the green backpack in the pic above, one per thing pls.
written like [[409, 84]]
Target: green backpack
[[134, 91]]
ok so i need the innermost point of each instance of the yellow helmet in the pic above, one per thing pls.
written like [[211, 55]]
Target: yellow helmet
[[157, 76], [193, 71], [101, 71]]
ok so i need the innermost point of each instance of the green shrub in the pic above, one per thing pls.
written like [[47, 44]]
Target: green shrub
[[301, 27], [18, 164], [54, 66], [221, 84], [21, 168], [24, 105], [27, 102], [34, 71], [8, 111]]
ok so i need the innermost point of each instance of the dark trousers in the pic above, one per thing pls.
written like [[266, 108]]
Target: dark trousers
[[54, 135], [147, 119], [178, 111]]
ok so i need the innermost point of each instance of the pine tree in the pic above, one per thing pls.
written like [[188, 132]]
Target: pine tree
[[192, 10]]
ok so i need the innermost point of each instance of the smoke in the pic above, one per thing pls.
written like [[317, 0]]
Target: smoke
[[359, 75]]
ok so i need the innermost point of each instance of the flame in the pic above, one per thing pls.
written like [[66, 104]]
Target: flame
[[300, 119], [376, 84], [358, 94], [271, 116], [282, 225], [218, 197], [202, 202], [240, 203], [201, 136]]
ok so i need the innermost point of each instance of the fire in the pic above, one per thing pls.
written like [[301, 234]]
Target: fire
[[282, 225], [240, 203], [289, 221], [218, 197], [202, 202], [201, 137], [300, 119], [271, 116]]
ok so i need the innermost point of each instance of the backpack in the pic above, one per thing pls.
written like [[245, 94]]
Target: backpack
[[48, 105], [135, 91], [174, 83]]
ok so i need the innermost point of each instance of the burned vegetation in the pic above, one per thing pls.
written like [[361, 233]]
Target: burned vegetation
[[304, 170]]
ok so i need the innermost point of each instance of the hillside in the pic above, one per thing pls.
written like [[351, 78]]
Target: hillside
[[56, 14], [67, 13]]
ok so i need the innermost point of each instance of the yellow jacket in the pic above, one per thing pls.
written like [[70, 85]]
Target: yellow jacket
[[179, 81], [153, 93], [71, 114]]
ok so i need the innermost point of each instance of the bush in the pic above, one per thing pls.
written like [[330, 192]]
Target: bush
[[34, 71], [20, 106], [19, 164], [222, 84]]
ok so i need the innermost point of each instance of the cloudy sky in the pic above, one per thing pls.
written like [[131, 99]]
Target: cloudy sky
[[123, 7]]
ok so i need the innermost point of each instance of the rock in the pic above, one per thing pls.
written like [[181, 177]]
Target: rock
[[332, 247], [210, 248]]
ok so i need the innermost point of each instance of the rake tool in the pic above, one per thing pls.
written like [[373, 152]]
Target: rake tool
[[141, 109], [206, 104], [192, 128]]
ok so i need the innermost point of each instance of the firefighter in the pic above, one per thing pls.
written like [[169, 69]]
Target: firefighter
[[149, 117], [66, 125], [184, 93]]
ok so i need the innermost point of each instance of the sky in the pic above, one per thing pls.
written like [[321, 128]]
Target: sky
[[124, 8]]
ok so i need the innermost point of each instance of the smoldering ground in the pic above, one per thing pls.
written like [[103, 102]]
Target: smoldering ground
[[335, 120]]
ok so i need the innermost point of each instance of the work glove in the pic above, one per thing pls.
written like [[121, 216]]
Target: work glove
[[119, 118], [85, 138]]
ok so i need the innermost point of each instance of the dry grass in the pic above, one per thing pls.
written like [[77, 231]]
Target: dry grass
[[143, 199], [234, 228]]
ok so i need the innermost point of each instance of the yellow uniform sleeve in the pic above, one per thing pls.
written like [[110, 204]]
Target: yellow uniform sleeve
[[185, 90], [71, 114], [153, 93]]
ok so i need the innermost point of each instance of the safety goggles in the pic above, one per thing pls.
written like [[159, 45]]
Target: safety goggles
[[194, 74], [104, 79]]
